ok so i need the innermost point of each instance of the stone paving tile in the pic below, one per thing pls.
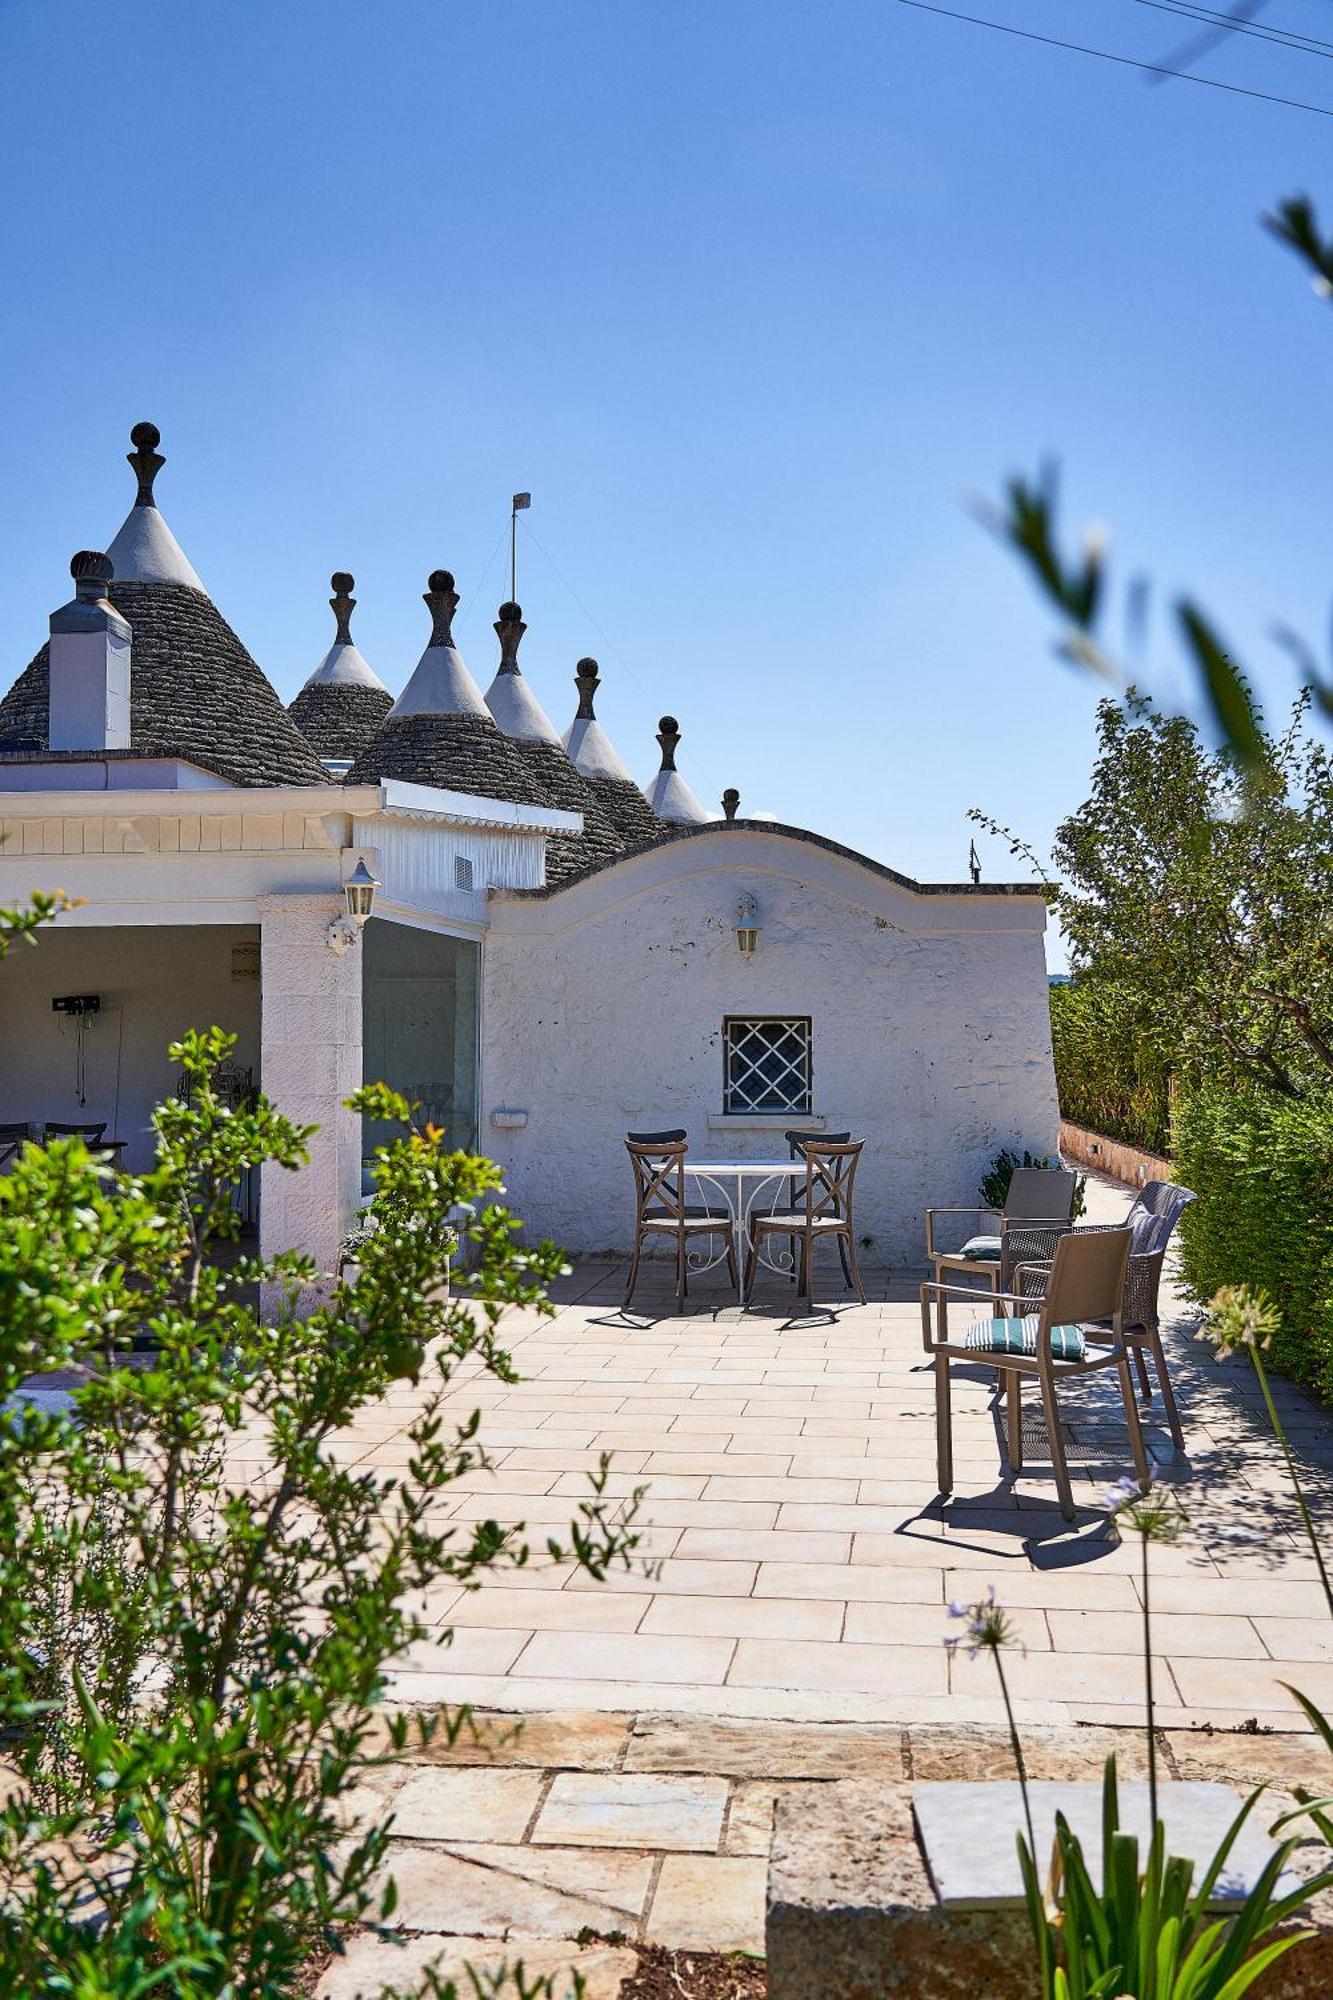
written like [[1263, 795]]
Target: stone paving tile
[[929, 1624], [497, 1891], [466, 1805], [1297, 1638], [710, 1902], [865, 1669], [629, 1657], [765, 1749], [371, 1964], [1175, 1633], [556, 1611], [633, 1809], [745, 1617]]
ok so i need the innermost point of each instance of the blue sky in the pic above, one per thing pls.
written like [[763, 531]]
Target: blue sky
[[751, 297]]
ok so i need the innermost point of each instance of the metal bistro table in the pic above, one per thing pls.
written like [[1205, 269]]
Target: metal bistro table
[[739, 1185]]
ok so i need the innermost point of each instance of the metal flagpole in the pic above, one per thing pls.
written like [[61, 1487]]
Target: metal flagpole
[[521, 502]]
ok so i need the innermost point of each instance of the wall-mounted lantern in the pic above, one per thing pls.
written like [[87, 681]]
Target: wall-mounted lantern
[[359, 896], [747, 925]]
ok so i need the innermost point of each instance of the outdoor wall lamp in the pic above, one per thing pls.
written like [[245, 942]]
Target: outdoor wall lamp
[[747, 925], [359, 896]]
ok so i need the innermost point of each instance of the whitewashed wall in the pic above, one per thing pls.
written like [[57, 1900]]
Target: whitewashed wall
[[603, 1009], [153, 985]]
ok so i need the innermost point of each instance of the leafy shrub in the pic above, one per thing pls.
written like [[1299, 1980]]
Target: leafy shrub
[[1107, 1071], [1262, 1168], [193, 1643], [994, 1189]]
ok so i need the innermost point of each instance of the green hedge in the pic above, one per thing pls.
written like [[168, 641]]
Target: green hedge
[[1107, 1073], [1263, 1171]]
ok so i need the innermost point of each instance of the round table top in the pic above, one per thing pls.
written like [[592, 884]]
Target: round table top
[[764, 1168]]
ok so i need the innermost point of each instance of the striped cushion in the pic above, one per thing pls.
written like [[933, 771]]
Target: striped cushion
[[1019, 1336], [979, 1247]]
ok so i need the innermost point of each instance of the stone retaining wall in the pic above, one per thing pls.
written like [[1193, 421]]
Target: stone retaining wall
[[1082, 1147]]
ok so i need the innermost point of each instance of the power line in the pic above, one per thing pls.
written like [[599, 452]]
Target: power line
[[1125, 62], [1228, 24]]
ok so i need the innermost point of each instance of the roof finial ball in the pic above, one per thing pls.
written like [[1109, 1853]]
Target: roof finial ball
[[146, 460], [668, 735], [731, 801], [587, 679], [342, 604], [509, 629], [441, 600]]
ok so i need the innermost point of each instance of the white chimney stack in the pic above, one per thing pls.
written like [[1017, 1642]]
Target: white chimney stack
[[89, 664]]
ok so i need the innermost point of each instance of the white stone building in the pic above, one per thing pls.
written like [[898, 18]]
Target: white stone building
[[554, 955]]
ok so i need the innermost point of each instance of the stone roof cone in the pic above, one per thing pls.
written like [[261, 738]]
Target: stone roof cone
[[440, 731], [344, 701], [669, 795], [525, 722], [595, 757], [196, 694]]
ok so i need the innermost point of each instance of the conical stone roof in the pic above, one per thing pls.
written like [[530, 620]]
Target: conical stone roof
[[440, 731], [595, 758], [525, 722], [344, 702], [669, 795], [195, 692]]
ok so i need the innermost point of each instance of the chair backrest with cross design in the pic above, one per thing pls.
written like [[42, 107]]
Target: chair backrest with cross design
[[659, 1182], [830, 1172]]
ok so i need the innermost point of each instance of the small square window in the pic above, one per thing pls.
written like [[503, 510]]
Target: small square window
[[767, 1064]]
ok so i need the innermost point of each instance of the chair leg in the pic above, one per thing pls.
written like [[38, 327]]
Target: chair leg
[[1145, 1380], [943, 1423], [633, 1271], [751, 1259], [1168, 1394], [1051, 1412], [1137, 1451], [843, 1242], [803, 1289], [732, 1272], [850, 1252], [792, 1242], [680, 1270], [1013, 1407]]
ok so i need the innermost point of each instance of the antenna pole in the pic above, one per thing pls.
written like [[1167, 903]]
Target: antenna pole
[[520, 502]]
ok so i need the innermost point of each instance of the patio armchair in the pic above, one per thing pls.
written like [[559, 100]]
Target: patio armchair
[[1038, 1210], [1151, 1222], [1075, 1328], [660, 1208], [824, 1213]]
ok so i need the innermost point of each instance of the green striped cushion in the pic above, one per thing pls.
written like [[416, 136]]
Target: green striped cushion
[[1019, 1336], [978, 1247]]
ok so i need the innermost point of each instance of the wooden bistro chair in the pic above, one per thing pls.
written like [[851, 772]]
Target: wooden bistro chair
[[823, 1213], [1038, 1209], [660, 1208], [797, 1141], [1076, 1327]]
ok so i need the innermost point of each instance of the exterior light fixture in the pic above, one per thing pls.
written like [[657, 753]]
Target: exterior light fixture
[[747, 925], [359, 896]]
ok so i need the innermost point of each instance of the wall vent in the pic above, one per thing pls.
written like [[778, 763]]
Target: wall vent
[[462, 872]]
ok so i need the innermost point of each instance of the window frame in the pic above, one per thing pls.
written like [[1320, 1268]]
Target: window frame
[[804, 1024]]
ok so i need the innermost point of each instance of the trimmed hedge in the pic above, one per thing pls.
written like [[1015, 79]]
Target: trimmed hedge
[[1263, 1170], [1107, 1074]]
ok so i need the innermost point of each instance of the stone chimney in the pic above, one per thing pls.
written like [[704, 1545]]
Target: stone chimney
[[89, 664]]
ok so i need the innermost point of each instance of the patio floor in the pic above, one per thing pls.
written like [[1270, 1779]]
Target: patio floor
[[797, 1561]]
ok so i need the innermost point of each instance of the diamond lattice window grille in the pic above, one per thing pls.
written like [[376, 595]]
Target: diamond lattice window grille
[[768, 1064]]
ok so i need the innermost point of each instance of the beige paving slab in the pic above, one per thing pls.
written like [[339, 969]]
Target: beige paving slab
[[764, 1545], [465, 1805], [746, 1617], [501, 1891], [1173, 1633], [867, 1669], [627, 1657], [677, 1576], [1297, 1638], [710, 1902], [633, 1810], [930, 1624], [372, 1964], [467, 1652], [1227, 1684], [857, 1585], [557, 1611]]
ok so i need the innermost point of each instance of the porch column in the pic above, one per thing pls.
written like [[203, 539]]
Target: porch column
[[310, 1060]]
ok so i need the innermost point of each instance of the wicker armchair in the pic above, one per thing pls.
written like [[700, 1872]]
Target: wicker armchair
[[1151, 1223], [1038, 1211]]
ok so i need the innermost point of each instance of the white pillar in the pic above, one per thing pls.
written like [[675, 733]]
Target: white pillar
[[310, 1061]]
